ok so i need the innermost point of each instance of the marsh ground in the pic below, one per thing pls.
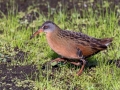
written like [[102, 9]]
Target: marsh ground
[[24, 63]]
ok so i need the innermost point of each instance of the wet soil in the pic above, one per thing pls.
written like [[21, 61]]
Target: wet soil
[[14, 76], [18, 77]]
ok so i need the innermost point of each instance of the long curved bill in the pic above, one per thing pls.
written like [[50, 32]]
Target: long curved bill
[[37, 32]]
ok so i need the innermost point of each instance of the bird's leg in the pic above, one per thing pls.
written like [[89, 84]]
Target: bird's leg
[[58, 60], [76, 63], [65, 60], [83, 65], [83, 62]]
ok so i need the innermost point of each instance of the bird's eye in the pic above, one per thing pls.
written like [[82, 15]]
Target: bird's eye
[[45, 27]]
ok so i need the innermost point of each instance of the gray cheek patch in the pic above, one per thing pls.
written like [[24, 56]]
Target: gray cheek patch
[[51, 28]]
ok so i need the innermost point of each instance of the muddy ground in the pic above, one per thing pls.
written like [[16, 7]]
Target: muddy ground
[[13, 77]]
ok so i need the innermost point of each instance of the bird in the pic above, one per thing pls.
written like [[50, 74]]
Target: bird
[[71, 45]]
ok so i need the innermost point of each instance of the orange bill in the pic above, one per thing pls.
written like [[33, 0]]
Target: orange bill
[[37, 32]]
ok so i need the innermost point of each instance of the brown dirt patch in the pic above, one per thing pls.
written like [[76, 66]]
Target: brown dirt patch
[[17, 77]]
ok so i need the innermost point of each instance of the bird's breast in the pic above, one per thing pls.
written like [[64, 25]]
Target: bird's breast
[[62, 47]]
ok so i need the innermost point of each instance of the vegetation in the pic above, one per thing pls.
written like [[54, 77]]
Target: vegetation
[[16, 28]]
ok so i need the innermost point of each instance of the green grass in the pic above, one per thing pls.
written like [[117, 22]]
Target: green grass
[[103, 77]]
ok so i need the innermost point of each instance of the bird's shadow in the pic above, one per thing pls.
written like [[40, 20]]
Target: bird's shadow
[[91, 62]]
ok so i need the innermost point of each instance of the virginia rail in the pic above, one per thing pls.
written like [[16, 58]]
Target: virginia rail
[[72, 45]]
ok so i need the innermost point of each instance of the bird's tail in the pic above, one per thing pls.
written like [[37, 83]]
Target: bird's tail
[[106, 41]]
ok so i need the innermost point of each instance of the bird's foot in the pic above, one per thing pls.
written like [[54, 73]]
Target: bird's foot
[[76, 63], [57, 60], [81, 69]]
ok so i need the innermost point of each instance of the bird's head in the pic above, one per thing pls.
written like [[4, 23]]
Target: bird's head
[[47, 27]]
